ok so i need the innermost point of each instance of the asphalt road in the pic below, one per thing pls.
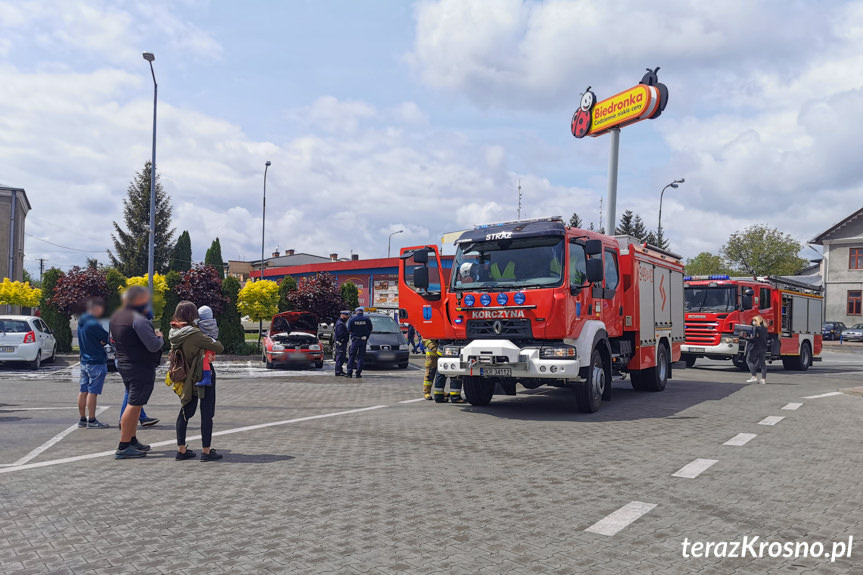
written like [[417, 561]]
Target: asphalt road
[[327, 475]]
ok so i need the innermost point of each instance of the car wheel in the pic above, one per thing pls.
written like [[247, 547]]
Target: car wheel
[[53, 354], [403, 365], [36, 363], [319, 364], [268, 362]]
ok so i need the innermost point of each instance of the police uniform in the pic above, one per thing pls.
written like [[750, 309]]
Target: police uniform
[[436, 378], [340, 342], [359, 328]]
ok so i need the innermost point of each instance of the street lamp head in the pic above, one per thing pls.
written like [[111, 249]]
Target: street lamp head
[[268, 163], [674, 185], [149, 57], [398, 232], [680, 181]]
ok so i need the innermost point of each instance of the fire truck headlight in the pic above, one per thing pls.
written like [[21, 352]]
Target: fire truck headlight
[[451, 351], [561, 352], [553, 369]]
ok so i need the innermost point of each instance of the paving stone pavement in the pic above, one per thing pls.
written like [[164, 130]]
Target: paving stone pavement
[[424, 488]]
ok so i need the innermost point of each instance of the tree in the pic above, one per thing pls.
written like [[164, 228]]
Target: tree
[[575, 221], [202, 285], [259, 300], [172, 280], [181, 255], [350, 295], [160, 288], [115, 281], [131, 245], [27, 278], [214, 258], [761, 251], [52, 316], [318, 294], [75, 287], [19, 294], [624, 228], [288, 285], [639, 230], [231, 333], [705, 264]]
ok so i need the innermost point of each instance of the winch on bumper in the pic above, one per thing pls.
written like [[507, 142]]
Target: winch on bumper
[[502, 358]]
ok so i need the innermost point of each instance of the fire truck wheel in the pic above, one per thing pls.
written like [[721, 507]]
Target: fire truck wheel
[[588, 395], [654, 378], [739, 362], [800, 362], [477, 390], [690, 360]]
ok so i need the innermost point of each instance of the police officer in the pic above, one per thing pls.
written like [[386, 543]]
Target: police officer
[[340, 341], [359, 328]]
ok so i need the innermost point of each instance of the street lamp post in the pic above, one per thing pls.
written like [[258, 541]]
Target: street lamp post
[[389, 240], [149, 57], [673, 184], [267, 165]]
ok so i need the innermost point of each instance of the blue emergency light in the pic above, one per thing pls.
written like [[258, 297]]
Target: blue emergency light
[[469, 300], [502, 298], [485, 299], [519, 298]]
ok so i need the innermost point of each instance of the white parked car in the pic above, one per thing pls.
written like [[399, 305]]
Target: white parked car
[[26, 338]]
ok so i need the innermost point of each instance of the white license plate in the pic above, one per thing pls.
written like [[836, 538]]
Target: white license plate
[[387, 356], [696, 349], [7, 349], [496, 371]]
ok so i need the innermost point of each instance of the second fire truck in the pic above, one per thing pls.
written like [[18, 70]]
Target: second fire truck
[[791, 309]]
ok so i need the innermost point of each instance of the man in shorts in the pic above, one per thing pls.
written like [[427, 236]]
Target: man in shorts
[[139, 350], [92, 338]]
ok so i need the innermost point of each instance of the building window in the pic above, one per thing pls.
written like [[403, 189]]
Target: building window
[[855, 302], [855, 259]]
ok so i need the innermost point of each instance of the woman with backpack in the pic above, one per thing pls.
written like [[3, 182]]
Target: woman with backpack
[[188, 349]]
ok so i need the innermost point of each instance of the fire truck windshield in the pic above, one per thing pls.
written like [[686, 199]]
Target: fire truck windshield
[[711, 299], [509, 263]]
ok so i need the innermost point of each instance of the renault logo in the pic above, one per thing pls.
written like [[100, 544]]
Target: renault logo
[[497, 327]]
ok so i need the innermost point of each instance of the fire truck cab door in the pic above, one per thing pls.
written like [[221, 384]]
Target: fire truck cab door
[[422, 291]]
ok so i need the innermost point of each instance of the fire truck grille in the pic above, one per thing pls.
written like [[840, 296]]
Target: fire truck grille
[[499, 328], [700, 332]]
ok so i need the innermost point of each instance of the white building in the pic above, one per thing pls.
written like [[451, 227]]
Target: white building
[[843, 269]]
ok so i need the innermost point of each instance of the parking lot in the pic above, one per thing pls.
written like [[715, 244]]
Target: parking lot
[[327, 475]]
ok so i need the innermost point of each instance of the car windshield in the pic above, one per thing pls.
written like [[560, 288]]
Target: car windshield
[[712, 299], [14, 326], [507, 263], [382, 324], [856, 326], [828, 326]]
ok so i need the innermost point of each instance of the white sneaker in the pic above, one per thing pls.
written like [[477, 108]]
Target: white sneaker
[[762, 381], [752, 380]]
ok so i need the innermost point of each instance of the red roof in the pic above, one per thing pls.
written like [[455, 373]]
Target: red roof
[[340, 266]]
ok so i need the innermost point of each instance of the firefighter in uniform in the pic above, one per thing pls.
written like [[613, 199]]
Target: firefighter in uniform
[[436, 378], [340, 341], [359, 328]]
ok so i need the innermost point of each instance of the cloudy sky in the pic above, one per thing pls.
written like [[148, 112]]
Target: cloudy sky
[[385, 115]]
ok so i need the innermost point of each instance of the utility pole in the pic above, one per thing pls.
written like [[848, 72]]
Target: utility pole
[[519, 198], [601, 228], [41, 269]]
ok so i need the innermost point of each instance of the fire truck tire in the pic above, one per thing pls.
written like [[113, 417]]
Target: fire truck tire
[[690, 360], [477, 390], [654, 378], [799, 362], [739, 362], [588, 395]]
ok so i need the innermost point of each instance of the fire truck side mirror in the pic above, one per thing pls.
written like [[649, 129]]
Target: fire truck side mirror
[[421, 278], [593, 248], [421, 256], [747, 299], [595, 270]]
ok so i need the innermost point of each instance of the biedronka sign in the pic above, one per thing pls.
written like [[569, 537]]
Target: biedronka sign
[[646, 100]]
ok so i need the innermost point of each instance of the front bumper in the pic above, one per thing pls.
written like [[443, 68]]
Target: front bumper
[[382, 356], [727, 347], [293, 357], [491, 354]]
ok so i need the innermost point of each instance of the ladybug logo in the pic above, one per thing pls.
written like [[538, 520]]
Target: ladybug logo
[[581, 118]]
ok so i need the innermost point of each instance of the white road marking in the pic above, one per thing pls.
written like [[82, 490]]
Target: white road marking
[[792, 406], [413, 400], [694, 469], [620, 519], [174, 441], [741, 439], [823, 395], [53, 441], [36, 408], [771, 420]]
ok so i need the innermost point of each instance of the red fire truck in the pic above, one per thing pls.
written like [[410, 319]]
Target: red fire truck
[[715, 304], [538, 303]]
